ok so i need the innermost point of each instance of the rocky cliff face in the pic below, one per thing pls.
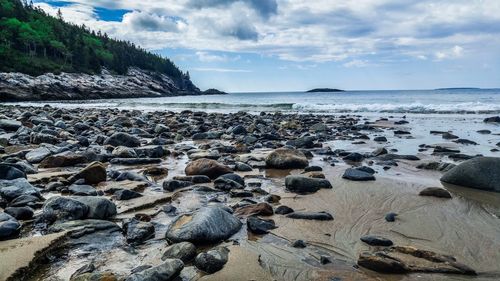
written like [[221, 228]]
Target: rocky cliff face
[[77, 86]]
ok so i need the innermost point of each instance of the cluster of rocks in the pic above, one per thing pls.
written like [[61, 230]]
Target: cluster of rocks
[[54, 163]]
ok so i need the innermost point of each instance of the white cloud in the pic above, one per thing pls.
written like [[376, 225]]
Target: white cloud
[[455, 52]]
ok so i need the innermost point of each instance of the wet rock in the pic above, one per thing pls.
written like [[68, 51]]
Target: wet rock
[[380, 263], [10, 125], [36, 156], [124, 152], [373, 240], [481, 173], [283, 210], [437, 166], [95, 276], [465, 141], [184, 251], [391, 217], [357, 175], [321, 216], [39, 138], [284, 158], [125, 194], [233, 177], [380, 139], [9, 227], [194, 179], [65, 159], [94, 173], [88, 268], [122, 139], [20, 213], [354, 157], [242, 167], [260, 226], [151, 151], [134, 161], [11, 189], [98, 207], [300, 184], [172, 185], [8, 172], [379, 151], [449, 136], [260, 209], [390, 156], [239, 130], [494, 119], [167, 271], [299, 244], [66, 208], [206, 225], [207, 167], [138, 231], [82, 190], [303, 142], [226, 184], [435, 192], [212, 260], [313, 169], [440, 149]]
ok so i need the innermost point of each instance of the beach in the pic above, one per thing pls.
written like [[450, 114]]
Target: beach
[[292, 192]]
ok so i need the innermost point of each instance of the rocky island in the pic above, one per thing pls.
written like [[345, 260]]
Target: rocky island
[[324, 90]]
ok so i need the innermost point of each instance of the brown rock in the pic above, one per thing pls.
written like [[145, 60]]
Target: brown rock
[[94, 173], [284, 158], [207, 167], [62, 160], [435, 192], [260, 209]]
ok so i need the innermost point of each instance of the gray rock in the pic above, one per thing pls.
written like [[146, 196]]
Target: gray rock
[[283, 210], [82, 190], [37, 155], [98, 207], [9, 227], [260, 226], [435, 192], [303, 142], [167, 271], [206, 225], [213, 260], [226, 184], [66, 208], [172, 185], [20, 213], [373, 240], [122, 139], [124, 152], [391, 217], [321, 216], [125, 194], [284, 158], [10, 125], [9, 172], [135, 161], [184, 251], [357, 175], [242, 167], [138, 231], [481, 173], [11, 189], [300, 184]]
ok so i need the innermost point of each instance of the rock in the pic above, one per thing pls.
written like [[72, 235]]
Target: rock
[[440, 149], [172, 185], [380, 263], [354, 157], [242, 167], [379, 151], [65, 159], [313, 169], [98, 207], [122, 139], [125, 194], [206, 225], [151, 151], [212, 260], [435, 192], [94, 173], [207, 167], [303, 142], [391, 217], [8, 172], [260, 209], [26, 200], [283, 210], [138, 231], [11, 189], [184, 251], [194, 179], [481, 173], [260, 226], [300, 184], [95, 276], [9, 227], [20, 213], [380, 139], [284, 158], [494, 119], [167, 271], [438, 166], [449, 136], [373, 240], [465, 141], [299, 244], [390, 156], [124, 152], [233, 177], [36, 156], [357, 175], [134, 161], [82, 190], [226, 184], [66, 208], [239, 130], [321, 216], [10, 125]]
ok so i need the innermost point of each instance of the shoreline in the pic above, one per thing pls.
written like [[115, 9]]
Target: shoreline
[[53, 146]]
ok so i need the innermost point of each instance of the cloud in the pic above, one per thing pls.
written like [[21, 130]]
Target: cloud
[[454, 52], [210, 69], [142, 21], [265, 8]]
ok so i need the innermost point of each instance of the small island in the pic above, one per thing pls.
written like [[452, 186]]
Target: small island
[[457, 89], [324, 90], [214, 92]]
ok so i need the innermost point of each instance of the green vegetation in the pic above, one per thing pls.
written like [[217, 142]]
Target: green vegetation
[[33, 42]]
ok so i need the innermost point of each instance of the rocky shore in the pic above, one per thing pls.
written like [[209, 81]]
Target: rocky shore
[[79, 86], [93, 194]]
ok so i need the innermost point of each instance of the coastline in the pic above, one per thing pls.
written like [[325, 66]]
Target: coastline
[[242, 142]]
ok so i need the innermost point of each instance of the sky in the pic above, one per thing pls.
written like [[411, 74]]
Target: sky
[[294, 45]]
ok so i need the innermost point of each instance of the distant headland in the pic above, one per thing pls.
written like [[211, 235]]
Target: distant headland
[[324, 90]]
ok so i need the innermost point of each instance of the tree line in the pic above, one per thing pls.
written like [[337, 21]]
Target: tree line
[[33, 42]]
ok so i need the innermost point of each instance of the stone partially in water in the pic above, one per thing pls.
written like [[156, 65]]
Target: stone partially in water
[[9, 172], [9, 226], [481, 173], [94, 173], [300, 184], [435, 192], [284, 158], [169, 270], [184, 251], [138, 231], [207, 167], [374, 240], [213, 260], [99, 207], [260, 226], [357, 175], [320, 216], [66, 208], [122, 139], [206, 225]]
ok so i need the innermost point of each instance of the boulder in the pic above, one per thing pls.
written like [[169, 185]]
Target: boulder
[[285, 158], [37, 155], [300, 184], [357, 175], [138, 231], [184, 251], [9, 227], [98, 207], [122, 139], [435, 192], [10, 125], [66, 208], [65, 159], [260, 226], [20, 213], [82, 190], [206, 225], [321, 216], [207, 167], [212, 260], [9, 172], [374, 240], [481, 173], [167, 271], [94, 173], [11, 189]]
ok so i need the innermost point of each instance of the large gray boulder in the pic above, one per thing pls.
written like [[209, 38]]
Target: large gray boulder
[[480, 173], [100, 208], [285, 158], [206, 225], [66, 208], [11, 189]]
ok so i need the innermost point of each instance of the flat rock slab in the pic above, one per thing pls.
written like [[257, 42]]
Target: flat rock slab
[[141, 203], [126, 184], [45, 177], [19, 254]]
